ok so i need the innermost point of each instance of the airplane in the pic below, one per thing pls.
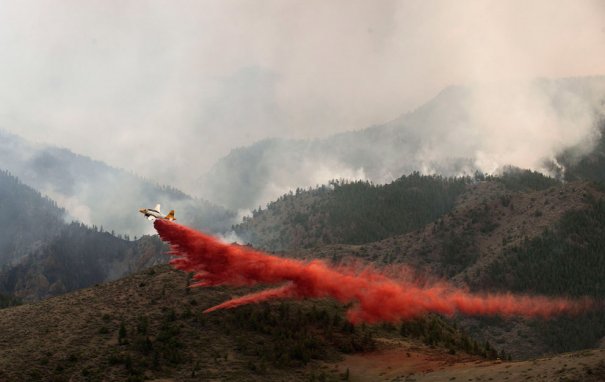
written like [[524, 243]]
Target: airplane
[[154, 213]]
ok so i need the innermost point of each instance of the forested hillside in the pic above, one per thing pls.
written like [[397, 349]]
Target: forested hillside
[[41, 255], [78, 257], [361, 212], [29, 219], [351, 212], [493, 218], [568, 259], [97, 194]]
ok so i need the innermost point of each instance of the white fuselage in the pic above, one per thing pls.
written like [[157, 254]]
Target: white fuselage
[[151, 213], [156, 213]]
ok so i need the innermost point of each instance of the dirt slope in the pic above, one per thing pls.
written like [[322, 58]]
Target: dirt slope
[[151, 326], [399, 365]]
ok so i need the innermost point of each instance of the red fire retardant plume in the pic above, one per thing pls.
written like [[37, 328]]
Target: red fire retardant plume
[[375, 296]]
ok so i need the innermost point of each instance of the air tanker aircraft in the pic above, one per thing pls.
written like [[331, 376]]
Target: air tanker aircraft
[[154, 213]]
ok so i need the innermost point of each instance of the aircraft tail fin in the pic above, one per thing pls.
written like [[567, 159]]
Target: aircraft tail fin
[[170, 215], [157, 207]]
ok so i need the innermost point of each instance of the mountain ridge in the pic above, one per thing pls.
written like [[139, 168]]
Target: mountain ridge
[[98, 194], [435, 138]]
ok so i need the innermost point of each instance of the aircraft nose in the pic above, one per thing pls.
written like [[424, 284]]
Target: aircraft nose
[[142, 210]]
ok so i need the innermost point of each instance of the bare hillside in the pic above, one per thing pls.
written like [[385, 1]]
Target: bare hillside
[[149, 326]]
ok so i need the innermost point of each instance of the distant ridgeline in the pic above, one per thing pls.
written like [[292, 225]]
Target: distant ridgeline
[[518, 180], [442, 127], [356, 212], [41, 255], [351, 212], [96, 193]]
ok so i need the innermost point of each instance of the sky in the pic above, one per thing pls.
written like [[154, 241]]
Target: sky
[[165, 88]]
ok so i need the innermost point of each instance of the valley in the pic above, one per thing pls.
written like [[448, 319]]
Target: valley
[[86, 295]]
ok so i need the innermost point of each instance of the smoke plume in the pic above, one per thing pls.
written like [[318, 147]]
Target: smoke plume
[[124, 81], [375, 296]]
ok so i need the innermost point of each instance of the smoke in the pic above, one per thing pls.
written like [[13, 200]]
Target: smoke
[[376, 297], [96, 194], [123, 82], [231, 237], [484, 127], [518, 123]]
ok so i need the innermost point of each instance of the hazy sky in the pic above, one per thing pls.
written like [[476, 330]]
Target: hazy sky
[[170, 86]]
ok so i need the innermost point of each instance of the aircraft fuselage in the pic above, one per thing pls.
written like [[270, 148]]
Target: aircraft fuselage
[[149, 212], [155, 213]]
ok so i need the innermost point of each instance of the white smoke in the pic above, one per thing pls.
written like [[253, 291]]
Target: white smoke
[[168, 88], [523, 124]]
